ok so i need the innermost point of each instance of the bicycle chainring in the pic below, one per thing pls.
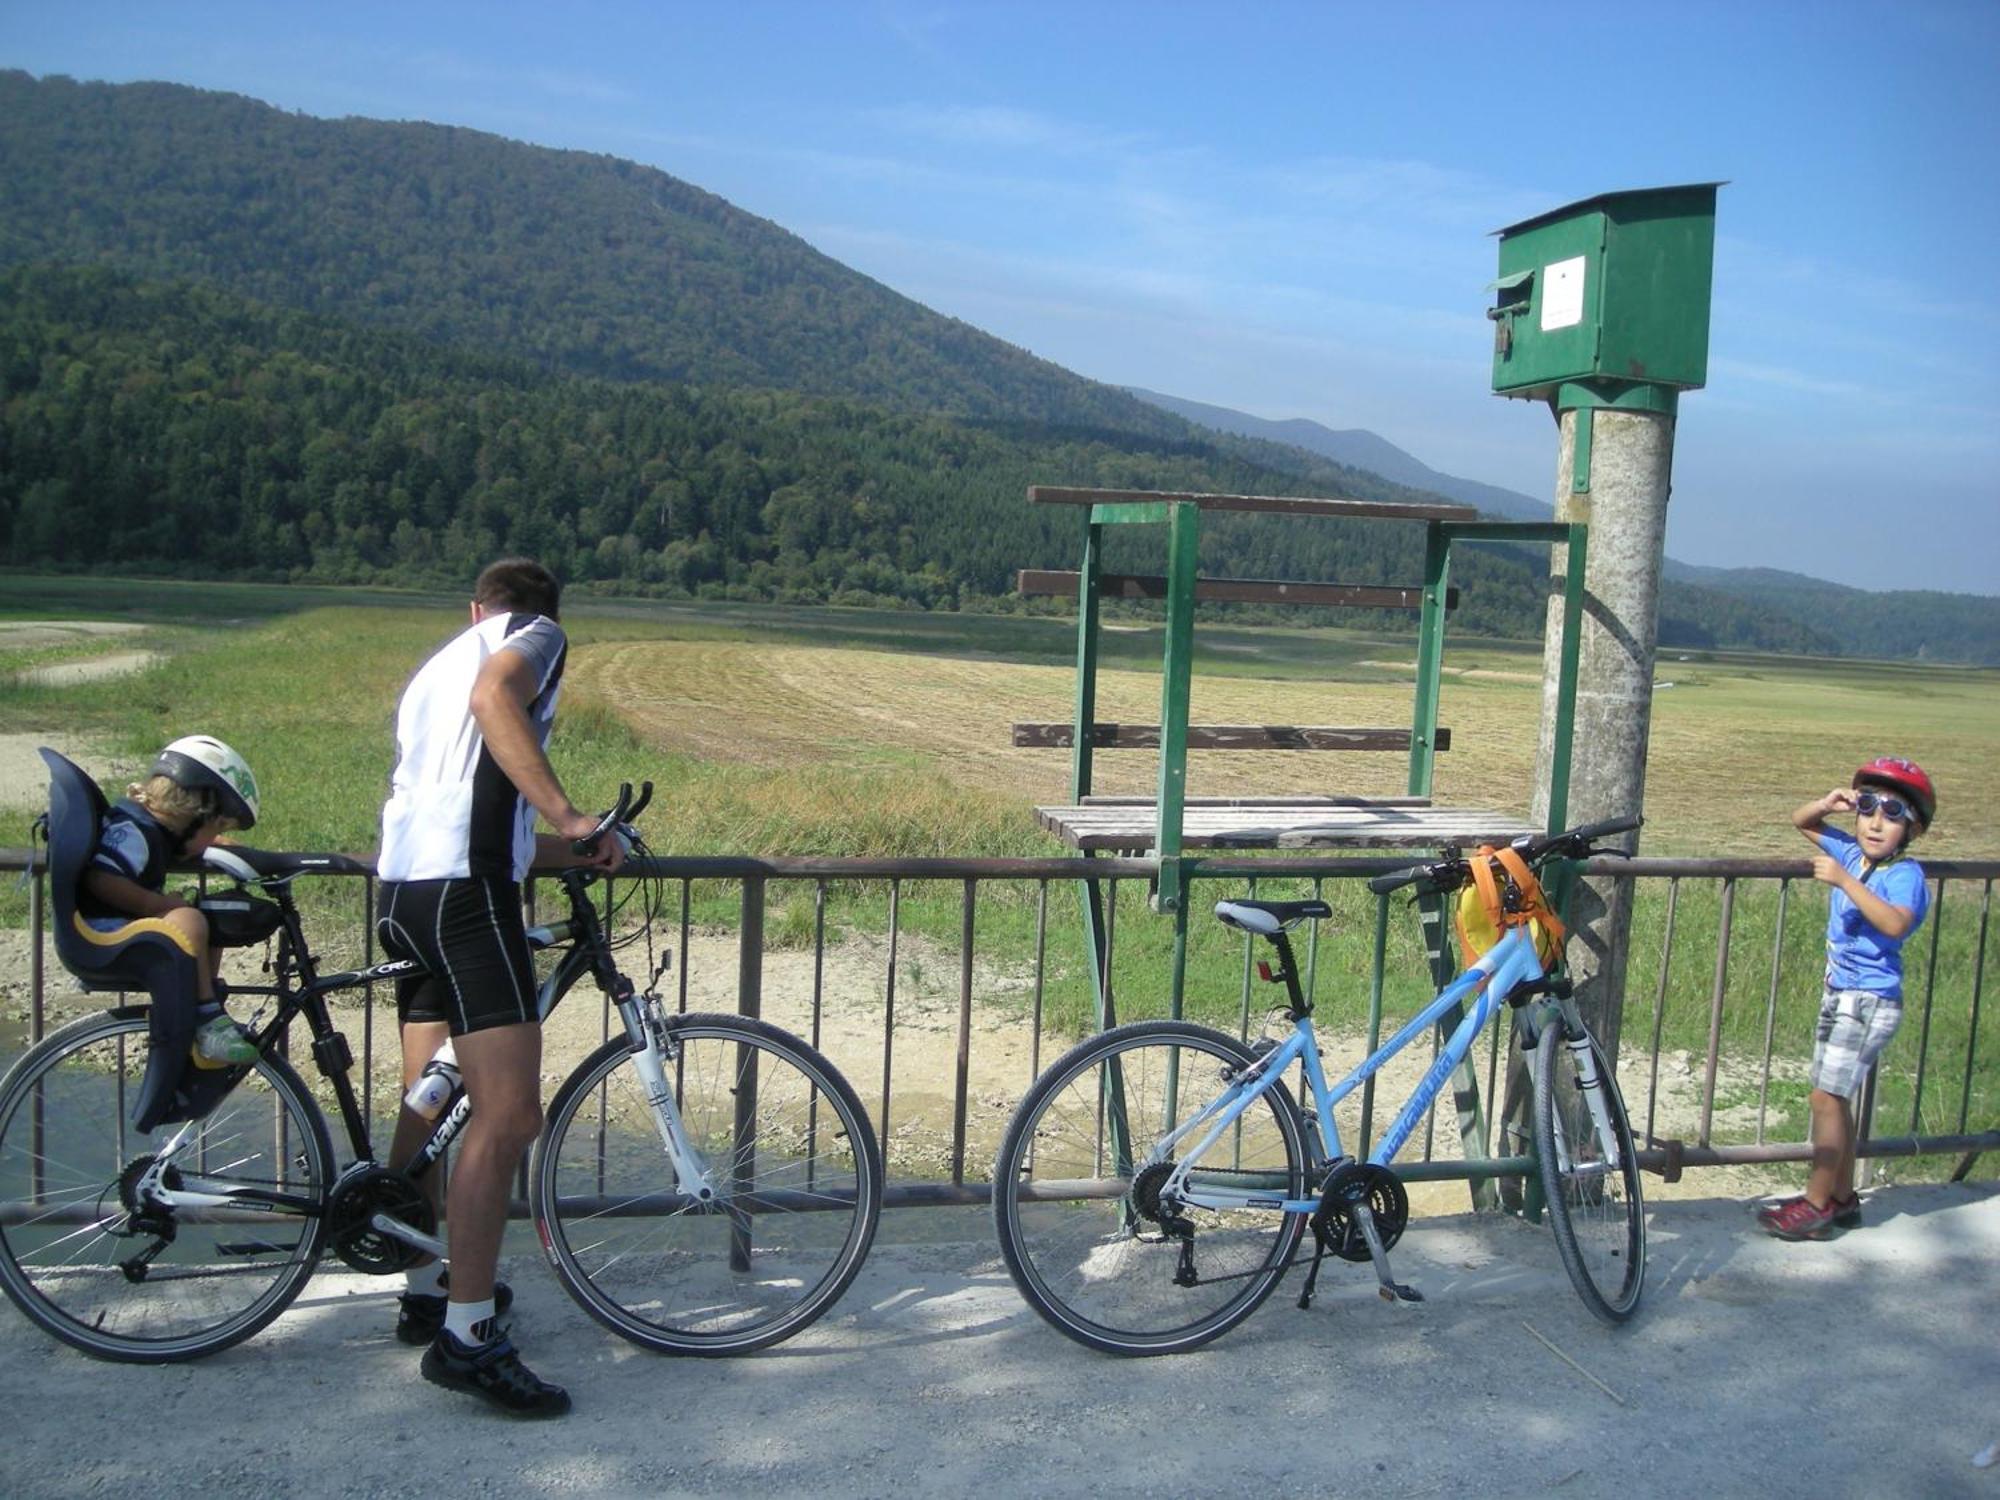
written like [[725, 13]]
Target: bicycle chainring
[[1335, 1223], [362, 1192], [148, 1217], [1146, 1191]]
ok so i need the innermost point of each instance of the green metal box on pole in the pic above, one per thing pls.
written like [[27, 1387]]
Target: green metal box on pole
[[1613, 291]]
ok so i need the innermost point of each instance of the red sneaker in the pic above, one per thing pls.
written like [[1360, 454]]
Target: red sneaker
[[1798, 1219], [1846, 1211]]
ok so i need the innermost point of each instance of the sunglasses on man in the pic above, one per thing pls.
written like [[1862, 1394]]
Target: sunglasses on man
[[1895, 809]]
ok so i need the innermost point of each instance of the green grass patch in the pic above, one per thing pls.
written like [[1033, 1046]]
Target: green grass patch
[[305, 681]]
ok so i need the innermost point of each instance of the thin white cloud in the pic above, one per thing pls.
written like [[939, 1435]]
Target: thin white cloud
[[1791, 380], [553, 82], [1001, 127]]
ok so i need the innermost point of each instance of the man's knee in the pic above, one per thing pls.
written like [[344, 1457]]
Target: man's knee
[[519, 1120]]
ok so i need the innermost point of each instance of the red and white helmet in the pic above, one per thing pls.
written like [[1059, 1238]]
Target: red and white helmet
[[1904, 777], [202, 763]]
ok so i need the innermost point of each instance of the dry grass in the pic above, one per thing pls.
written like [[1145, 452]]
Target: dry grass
[[1734, 747]]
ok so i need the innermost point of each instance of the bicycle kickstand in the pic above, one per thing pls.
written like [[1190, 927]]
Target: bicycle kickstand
[[1392, 1290]]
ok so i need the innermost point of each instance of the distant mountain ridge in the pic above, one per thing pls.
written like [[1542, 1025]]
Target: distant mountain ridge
[[1357, 447], [1851, 621], [368, 351]]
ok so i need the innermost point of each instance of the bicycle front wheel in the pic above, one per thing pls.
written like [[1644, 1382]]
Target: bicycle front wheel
[[1590, 1175], [141, 1282], [1086, 1233], [795, 1175]]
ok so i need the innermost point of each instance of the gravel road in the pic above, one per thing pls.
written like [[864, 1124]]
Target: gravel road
[[1863, 1366]]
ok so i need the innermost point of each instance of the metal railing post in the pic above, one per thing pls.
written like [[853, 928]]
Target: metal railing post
[[749, 1002]]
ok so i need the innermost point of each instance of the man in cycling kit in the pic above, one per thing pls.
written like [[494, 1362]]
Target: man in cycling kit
[[458, 837]]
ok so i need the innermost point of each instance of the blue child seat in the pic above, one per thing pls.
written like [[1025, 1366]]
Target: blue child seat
[[148, 958]]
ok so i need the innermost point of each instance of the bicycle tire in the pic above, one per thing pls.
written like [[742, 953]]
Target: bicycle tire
[[65, 1145], [1596, 1210], [1091, 1263], [668, 1274]]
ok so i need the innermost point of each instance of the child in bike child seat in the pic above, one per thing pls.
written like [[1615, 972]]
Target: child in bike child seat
[[197, 790], [1878, 900]]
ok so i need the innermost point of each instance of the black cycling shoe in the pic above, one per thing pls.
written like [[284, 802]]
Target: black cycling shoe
[[495, 1372], [421, 1317]]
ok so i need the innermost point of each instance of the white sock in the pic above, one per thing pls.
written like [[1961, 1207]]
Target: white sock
[[426, 1280], [469, 1322]]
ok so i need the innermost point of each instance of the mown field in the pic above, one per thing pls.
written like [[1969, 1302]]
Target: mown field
[[821, 731]]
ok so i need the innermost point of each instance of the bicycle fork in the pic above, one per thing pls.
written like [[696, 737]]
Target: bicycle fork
[[1591, 1084], [653, 1047]]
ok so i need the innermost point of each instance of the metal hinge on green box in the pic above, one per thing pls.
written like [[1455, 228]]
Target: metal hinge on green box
[[1604, 303]]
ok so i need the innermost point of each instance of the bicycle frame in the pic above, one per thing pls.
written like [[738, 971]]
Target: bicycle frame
[[588, 951], [1509, 964]]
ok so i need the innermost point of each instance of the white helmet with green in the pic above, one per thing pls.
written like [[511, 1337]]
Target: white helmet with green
[[202, 763]]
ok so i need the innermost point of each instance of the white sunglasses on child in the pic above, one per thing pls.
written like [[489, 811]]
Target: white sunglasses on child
[[1893, 808]]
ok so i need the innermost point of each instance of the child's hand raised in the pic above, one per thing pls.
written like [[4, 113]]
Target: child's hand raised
[[1840, 799]]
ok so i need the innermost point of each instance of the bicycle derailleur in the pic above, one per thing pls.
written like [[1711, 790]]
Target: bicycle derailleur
[[1362, 1213], [1160, 1207], [146, 1217]]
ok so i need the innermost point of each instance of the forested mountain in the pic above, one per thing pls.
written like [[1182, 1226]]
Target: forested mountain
[[579, 262], [1920, 623], [239, 342], [178, 427]]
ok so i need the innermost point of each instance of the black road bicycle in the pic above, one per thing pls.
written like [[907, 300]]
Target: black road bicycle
[[704, 1184]]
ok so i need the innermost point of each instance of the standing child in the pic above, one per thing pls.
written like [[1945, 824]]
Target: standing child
[[197, 790], [1878, 900]]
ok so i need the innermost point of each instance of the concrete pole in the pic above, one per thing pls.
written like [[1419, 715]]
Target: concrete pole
[[1631, 466]]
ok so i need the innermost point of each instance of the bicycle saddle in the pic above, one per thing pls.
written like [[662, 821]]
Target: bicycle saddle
[[1267, 918], [241, 862]]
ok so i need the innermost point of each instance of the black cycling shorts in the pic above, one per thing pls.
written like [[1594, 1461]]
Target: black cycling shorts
[[469, 935]]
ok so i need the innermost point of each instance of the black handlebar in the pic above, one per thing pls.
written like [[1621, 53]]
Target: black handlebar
[[620, 815], [1381, 885], [1451, 872]]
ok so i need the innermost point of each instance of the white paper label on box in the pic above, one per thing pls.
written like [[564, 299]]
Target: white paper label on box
[[1562, 294]]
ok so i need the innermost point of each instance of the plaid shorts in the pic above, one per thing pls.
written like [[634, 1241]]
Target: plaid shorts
[[1854, 1027]]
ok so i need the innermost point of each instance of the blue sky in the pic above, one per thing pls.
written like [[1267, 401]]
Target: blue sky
[[1286, 208]]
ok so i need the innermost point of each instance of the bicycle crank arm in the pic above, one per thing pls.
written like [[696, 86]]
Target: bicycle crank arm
[[396, 1229], [1392, 1290]]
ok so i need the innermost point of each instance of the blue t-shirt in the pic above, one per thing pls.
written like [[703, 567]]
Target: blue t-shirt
[[1859, 955], [130, 842]]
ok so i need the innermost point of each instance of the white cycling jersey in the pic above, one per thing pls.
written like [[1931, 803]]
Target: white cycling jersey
[[452, 812]]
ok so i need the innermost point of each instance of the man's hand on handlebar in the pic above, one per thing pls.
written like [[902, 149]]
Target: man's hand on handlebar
[[584, 843], [602, 843]]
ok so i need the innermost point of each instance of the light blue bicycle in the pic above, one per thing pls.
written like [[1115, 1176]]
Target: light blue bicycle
[[1156, 1183]]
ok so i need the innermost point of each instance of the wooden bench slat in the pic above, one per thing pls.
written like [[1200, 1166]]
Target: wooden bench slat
[[1062, 583], [1298, 505], [1224, 737], [1262, 802], [1272, 825]]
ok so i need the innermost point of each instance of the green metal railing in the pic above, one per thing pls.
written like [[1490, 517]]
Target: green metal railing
[[1698, 956]]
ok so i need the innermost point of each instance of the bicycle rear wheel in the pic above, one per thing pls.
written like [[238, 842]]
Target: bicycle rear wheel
[[793, 1160], [1082, 1230], [1590, 1177], [117, 1279]]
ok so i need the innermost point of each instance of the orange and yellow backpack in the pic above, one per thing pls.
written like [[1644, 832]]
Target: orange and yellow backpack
[[1482, 915]]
